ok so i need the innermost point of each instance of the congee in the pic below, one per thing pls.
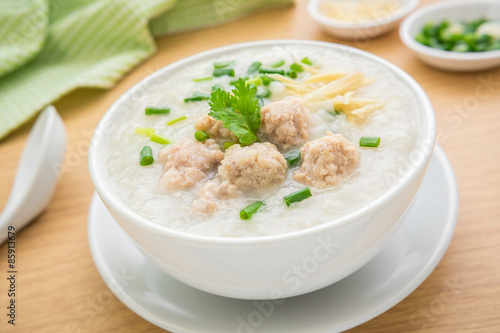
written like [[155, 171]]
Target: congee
[[262, 141]]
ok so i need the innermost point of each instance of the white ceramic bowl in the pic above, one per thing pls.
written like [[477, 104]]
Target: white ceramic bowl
[[360, 30], [453, 11], [273, 266]]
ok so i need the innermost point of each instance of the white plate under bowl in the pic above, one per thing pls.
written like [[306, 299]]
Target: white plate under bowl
[[393, 274]]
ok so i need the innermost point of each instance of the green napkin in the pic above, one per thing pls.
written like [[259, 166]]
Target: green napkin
[[51, 47]]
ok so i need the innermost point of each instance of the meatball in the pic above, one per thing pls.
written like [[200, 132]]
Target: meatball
[[214, 128], [211, 191], [285, 123], [326, 161], [257, 166], [188, 162]]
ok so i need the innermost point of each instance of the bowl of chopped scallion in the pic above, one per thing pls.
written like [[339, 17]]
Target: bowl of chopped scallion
[[455, 35]]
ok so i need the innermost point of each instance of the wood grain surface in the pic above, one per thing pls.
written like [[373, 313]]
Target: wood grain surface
[[60, 290]]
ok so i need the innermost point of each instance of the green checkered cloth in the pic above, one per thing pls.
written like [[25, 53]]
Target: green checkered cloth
[[51, 47]]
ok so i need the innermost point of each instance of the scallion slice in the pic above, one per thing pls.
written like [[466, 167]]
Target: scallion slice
[[367, 141], [217, 86], [146, 156], [208, 78], [228, 144], [160, 139], [233, 82], [293, 159], [145, 131], [223, 64], [201, 135], [197, 97], [266, 80], [254, 67], [256, 80], [264, 94], [296, 67], [247, 212], [306, 61], [278, 64], [297, 196], [223, 71], [176, 120], [157, 110], [271, 71], [292, 74]]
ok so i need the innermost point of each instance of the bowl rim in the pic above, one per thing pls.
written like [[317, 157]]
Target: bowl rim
[[312, 8], [428, 131], [411, 43]]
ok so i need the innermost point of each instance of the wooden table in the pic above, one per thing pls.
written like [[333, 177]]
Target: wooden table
[[60, 290]]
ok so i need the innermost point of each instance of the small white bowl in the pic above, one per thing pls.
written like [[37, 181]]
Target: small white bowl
[[452, 11], [264, 267], [362, 30]]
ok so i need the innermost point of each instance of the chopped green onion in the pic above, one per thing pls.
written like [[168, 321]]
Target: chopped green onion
[[367, 141], [271, 71], [278, 64], [217, 86], [147, 156], [176, 120], [223, 71], [208, 78], [333, 112], [264, 94], [233, 82], [145, 131], [297, 196], [160, 139], [156, 110], [292, 74], [197, 97], [306, 61], [228, 144], [201, 135], [293, 159], [250, 210], [223, 64], [266, 80], [296, 67], [256, 80], [254, 67]]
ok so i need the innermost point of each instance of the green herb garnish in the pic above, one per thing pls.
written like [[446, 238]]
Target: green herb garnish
[[146, 156], [250, 210], [228, 144], [367, 141], [145, 131], [176, 120], [254, 67], [266, 80], [157, 110], [223, 71], [296, 67], [201, 135], [293, 159], [278, 64], [239, 111], [197, 97], [292, 74], [223, 64], [217, 86], [297, 196], [307, 61], [160, 139], [271, 71], [208, 78]]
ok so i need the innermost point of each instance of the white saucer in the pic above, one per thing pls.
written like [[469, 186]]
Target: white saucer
[[392, 275]]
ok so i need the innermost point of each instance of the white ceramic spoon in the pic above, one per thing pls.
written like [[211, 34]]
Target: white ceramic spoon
[[37, 172]]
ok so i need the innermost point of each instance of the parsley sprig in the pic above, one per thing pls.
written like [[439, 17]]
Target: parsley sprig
[[239, 111]]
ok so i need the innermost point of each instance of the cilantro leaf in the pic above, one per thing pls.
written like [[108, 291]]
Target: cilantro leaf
[[239, 112]]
